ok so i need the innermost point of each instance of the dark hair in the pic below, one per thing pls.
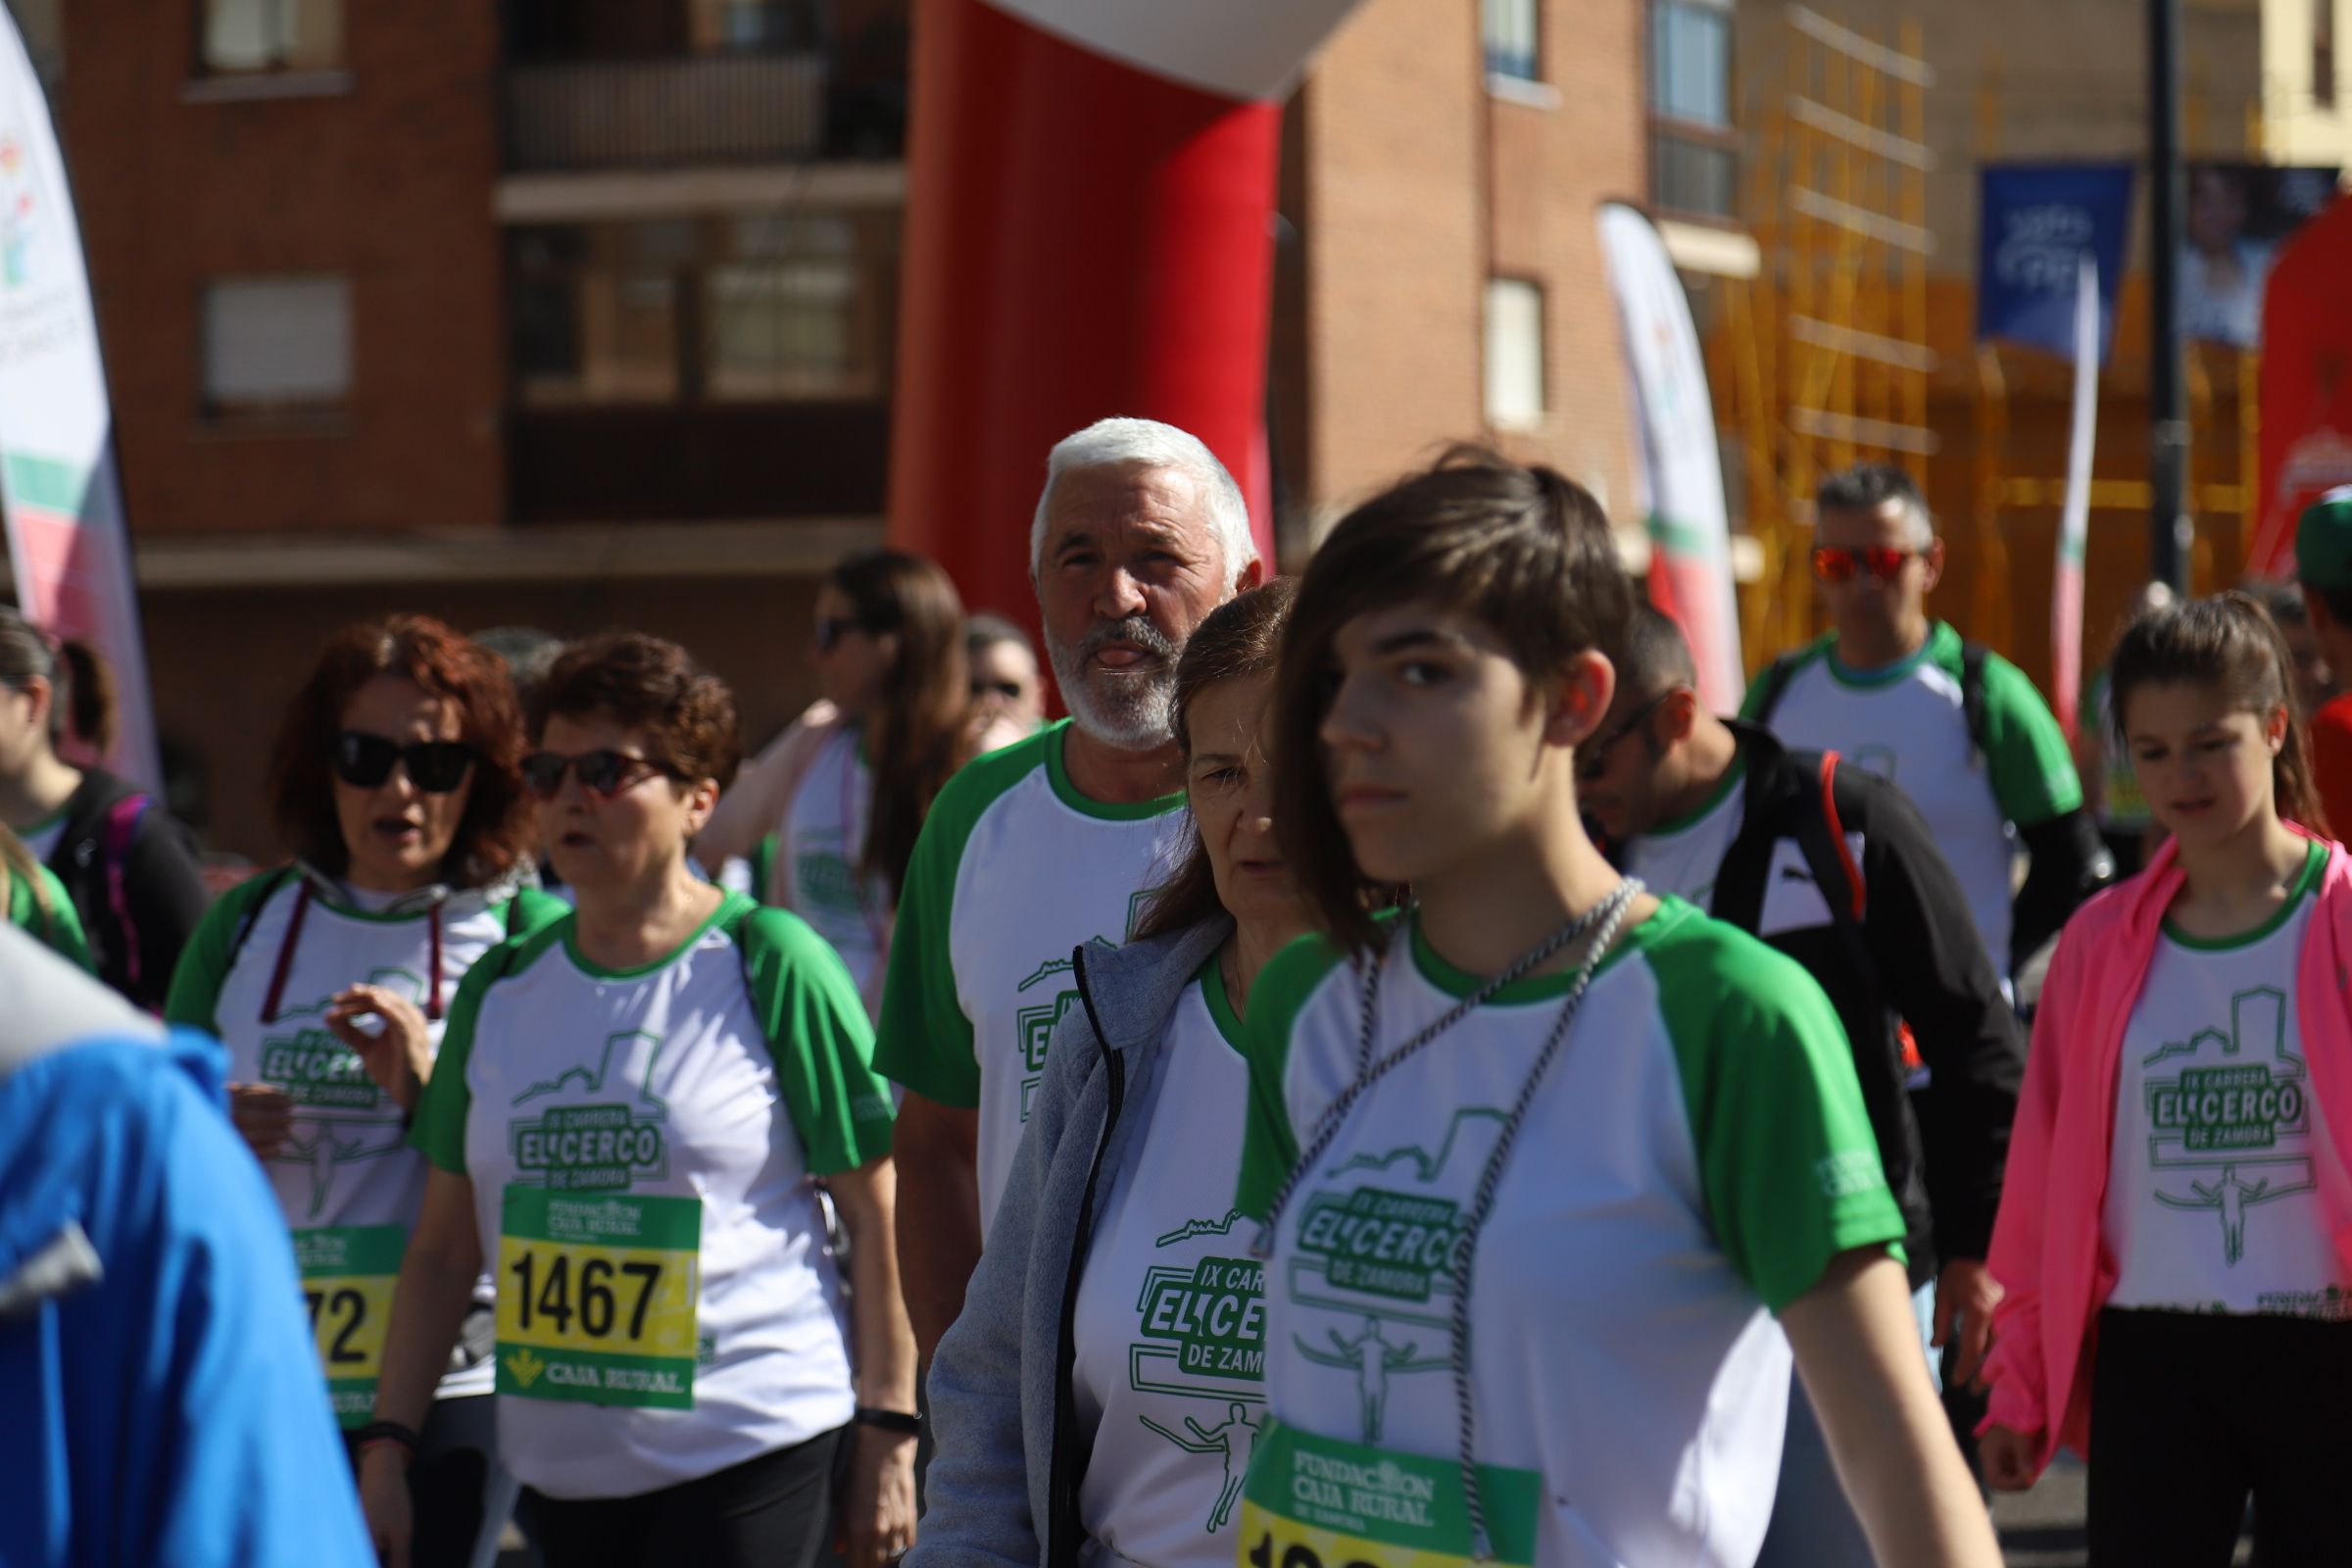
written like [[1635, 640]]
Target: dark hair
[[985, 628], [527, 653], [2284, 600], [495, 831], [1239, 639], [29, 654], [1866, 487], [2228, 641], [1523, 550], [917, 732], [1652, 654], [643, 683]]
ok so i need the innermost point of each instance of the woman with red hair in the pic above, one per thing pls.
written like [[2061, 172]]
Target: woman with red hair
[[396, 778]]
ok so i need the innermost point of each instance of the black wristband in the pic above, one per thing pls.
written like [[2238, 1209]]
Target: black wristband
[[385, 1431], [889, 1420]]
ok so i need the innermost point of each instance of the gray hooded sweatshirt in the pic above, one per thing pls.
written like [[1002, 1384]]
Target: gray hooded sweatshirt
[[1003, 1486]]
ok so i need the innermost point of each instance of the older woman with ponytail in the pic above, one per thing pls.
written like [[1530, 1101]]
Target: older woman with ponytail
[[130, 870], [2176, 1237]]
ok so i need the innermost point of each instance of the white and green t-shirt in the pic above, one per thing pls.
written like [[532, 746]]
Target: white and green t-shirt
[[1013, 872], [641, 1147], [1169, 1334], [1907, 722], [2211, 1187], [816, 873], [1683, 857], [347, 1181], [1695, 1157]]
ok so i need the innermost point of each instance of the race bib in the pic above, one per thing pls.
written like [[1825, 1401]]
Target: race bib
[[1317, 1503], [597, 1298], [348, 1273]]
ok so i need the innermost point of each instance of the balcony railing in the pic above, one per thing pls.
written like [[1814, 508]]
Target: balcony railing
[[624, 114]]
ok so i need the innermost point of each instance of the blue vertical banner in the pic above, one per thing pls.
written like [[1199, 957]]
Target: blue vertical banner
[[2036, 223]]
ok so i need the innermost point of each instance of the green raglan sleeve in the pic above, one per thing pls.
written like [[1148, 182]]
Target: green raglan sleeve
[[1789, 1167], [925, 1040], [439, 1131], [822, 1044], [2032, 767], [46, 912], [1269, 1144], [194, 999]]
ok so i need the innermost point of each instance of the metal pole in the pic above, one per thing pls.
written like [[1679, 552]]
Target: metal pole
[[2170, 529]]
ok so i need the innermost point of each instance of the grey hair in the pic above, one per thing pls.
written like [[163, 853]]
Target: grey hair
[[1113, 443], [1868, 486]]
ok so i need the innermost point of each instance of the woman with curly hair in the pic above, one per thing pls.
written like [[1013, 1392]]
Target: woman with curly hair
[[396, 778]]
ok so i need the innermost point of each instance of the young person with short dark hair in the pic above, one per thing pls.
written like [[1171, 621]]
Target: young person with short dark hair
[[1542, 1158], [634, 1111]]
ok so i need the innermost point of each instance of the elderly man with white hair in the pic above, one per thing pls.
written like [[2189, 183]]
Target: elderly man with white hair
[[1034, 851]]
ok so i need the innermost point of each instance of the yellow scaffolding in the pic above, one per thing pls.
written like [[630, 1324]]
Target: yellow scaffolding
[[1830, 358]]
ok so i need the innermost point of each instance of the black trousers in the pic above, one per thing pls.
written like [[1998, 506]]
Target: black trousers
[[450, 1474], [775, 1511], [2193, 1413]]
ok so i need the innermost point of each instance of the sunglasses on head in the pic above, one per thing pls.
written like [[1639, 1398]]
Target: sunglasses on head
[[1835, 564], [364, 761], [604, 773]]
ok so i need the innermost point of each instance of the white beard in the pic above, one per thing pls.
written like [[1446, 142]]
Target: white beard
[[1140, 715]]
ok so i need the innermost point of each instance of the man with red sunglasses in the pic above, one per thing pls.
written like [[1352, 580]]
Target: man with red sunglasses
[[1958, 727]]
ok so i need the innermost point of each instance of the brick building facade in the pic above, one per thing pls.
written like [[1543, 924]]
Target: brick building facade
[[578, 313]]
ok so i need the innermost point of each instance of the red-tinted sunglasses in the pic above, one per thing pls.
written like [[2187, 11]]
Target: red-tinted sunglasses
[[1831, 565]]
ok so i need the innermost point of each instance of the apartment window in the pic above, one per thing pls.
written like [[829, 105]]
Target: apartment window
[[2323, 53], [274, 343], [1509, 30], [243, 36], [1514, 353], [1693, 151], [766, 308]]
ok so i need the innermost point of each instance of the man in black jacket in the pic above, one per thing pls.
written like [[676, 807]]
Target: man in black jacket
[[1834, 867]]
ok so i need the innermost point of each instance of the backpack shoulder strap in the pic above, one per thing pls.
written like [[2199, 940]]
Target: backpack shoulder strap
[[118, 833], [1773, 685], [253, 913], [1821, 836], [1972, 692]]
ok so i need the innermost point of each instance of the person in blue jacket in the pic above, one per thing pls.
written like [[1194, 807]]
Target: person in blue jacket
[[159, 1401]]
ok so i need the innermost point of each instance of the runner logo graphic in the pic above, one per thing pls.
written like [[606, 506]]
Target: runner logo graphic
[[1384, 1259], [314, 1067], [596, 1147], [325, 1144], [1033, 1025], [2234, 1124]]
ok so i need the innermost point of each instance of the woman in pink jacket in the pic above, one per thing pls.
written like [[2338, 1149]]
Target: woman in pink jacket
[[2176, 1239]]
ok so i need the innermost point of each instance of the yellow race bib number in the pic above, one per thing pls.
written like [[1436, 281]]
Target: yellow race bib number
[[1318, 1502], [348, 1274], [597, 1298]]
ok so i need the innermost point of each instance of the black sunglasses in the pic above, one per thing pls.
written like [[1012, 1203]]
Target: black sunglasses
[[1596, 759], [364, 761], [604, 773]]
